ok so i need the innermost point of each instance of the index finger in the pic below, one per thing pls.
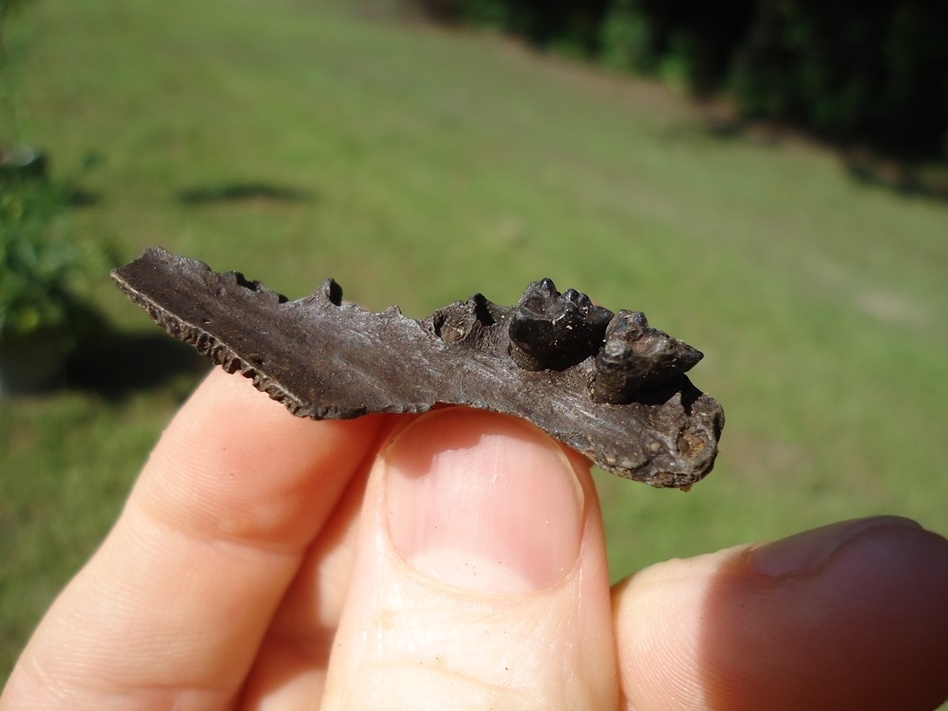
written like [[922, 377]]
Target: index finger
[[170, 610]]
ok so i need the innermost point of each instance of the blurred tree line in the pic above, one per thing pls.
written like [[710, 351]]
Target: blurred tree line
[[857, 72]]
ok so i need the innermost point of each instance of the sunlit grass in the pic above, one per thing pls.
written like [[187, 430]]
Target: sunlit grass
[[431, 165]]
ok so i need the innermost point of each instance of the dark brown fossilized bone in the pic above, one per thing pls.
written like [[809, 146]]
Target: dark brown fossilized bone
[[608, 385]]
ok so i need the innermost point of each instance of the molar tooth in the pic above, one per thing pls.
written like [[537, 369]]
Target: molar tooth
[[549, 330]]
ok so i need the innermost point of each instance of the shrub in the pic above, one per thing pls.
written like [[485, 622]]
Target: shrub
[[42, 271]]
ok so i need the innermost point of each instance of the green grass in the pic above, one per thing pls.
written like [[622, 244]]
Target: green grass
[[437, 164]]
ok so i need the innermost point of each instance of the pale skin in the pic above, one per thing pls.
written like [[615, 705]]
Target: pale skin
[[455, 560]]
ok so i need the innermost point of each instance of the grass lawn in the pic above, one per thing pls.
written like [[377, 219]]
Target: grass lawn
[[417, 166]]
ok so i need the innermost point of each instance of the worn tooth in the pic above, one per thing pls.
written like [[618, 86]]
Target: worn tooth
[[635, 355]]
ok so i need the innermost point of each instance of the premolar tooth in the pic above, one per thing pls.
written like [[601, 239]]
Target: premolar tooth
[[635, 355]]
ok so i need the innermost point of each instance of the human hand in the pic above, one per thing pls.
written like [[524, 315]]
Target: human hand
[[456, 560]]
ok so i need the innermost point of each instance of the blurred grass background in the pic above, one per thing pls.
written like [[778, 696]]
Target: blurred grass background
[[417, 166]]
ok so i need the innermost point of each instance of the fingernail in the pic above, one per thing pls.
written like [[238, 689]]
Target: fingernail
[[806, 553], [483, 502]]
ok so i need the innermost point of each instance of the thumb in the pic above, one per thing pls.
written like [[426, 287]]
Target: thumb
[[480, 576], [847, 616]]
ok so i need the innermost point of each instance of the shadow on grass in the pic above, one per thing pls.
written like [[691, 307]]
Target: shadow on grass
[[240, 192], [928, 182], [907, 177], [77, 197], [118, 364]]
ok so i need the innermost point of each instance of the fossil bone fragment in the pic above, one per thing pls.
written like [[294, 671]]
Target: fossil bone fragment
[[608, 385]]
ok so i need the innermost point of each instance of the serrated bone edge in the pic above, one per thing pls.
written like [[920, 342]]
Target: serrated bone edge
[[207, 344]]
